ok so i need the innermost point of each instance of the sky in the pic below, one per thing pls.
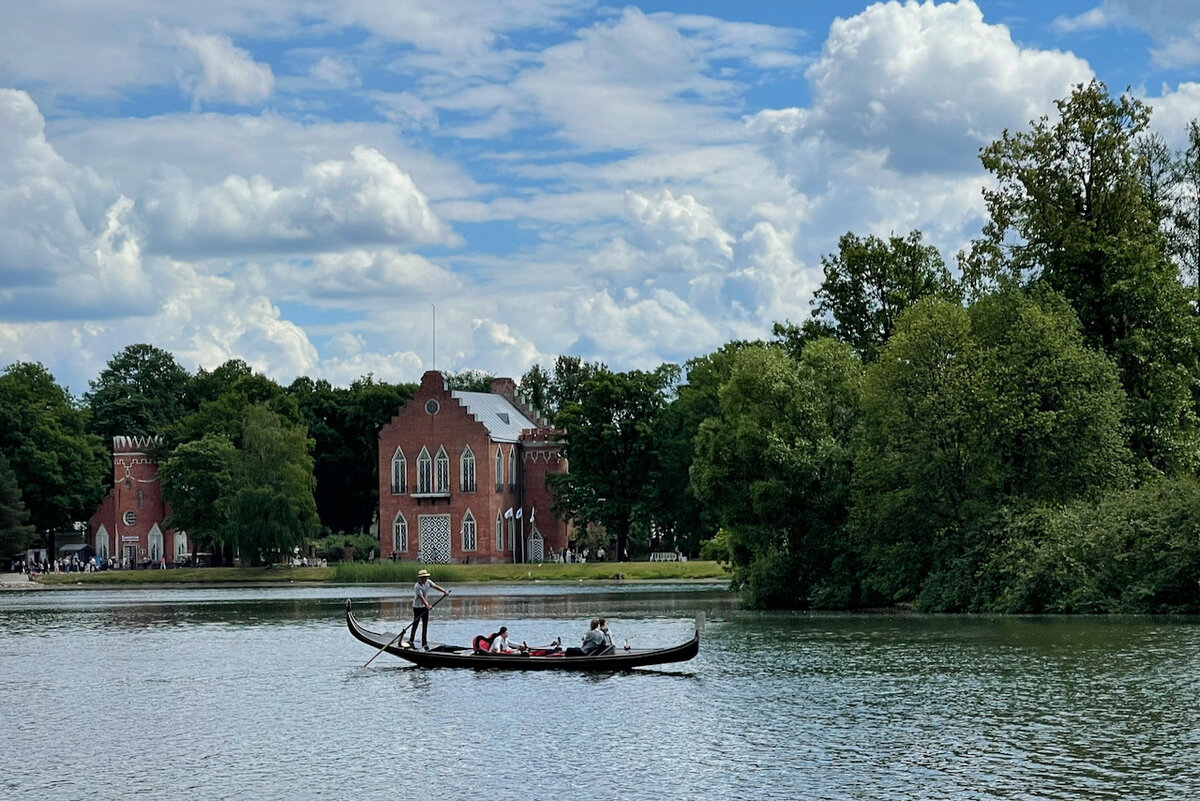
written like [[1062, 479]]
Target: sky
[[342, 188]]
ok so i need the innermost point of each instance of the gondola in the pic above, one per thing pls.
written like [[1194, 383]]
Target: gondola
[[439, 655]]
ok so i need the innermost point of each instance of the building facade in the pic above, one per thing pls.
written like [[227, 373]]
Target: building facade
[[463, 478], [128, 525]]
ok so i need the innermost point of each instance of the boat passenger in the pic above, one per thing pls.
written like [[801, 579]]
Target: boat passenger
[[593, 641], [502, 645]]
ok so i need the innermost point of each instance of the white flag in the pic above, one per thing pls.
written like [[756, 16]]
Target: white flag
[[519, 511], [532, 513], [509, 513]]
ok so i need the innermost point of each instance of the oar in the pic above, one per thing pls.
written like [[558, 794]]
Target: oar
[[401, 634]]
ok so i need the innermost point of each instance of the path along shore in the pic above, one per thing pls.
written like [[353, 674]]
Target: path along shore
[[18, 581]]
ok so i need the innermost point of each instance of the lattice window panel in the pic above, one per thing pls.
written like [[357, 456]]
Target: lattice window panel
[[435, 539], [537, 548]]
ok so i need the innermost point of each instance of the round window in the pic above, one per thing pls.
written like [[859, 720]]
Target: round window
[[431, 406], [130, 518]]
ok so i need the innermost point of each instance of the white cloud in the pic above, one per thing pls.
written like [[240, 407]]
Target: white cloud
[[1173, 111], [620, 84], [358, 279], [335, 204], [68, 249], [336, 72], [664, 220], [1174, 25], [1090, 20], [228, 74], [930, 84]]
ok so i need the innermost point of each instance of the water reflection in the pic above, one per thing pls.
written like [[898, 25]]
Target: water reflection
[[261, 693]]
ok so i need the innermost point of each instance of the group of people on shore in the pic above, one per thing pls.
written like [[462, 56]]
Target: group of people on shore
[[66, 564], [598, 640], [571, 556]]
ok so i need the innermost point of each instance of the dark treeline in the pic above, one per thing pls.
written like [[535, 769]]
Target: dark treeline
[[1019, 434]]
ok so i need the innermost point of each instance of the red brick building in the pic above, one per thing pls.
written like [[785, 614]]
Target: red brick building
[[128, 525], [462, 478]]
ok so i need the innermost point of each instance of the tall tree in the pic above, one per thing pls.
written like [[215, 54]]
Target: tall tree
[[1185, 219], [197, 480], [140, 392], [60, 467], [1070, 209], [967, 413], [773, 464], [16, 534], [610, 445], [344, 424], [869, 282], [271, 508]]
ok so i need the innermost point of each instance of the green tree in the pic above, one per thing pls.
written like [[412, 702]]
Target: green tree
[[965, 414], [271, 508], [139, 393], [16, 534], [225, 412], [197, 480], [774, 465], [610, 445], [1070, 209], [469, 381], [1185, 208], [870, 282], [344, 424], [60, 467], [535, 388]]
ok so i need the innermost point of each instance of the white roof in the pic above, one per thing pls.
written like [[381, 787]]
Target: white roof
[[504, 421]]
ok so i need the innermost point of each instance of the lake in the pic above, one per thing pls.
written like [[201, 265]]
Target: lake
[[261, 693]]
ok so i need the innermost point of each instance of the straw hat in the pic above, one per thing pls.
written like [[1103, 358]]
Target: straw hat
[[422, 574]]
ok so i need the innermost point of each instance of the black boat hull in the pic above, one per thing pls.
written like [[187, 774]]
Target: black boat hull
[[455, 657]]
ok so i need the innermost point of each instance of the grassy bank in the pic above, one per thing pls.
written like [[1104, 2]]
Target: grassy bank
[[398, 573]]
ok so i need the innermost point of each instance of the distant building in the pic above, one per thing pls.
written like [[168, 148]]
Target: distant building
[[128, 525], [462, 478]]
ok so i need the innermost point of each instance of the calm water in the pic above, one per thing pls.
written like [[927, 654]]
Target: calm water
[[262, 694]]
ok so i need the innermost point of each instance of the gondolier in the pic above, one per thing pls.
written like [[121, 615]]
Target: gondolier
[[421, 607]]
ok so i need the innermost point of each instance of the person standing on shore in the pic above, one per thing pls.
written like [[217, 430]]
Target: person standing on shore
[[421, 607]]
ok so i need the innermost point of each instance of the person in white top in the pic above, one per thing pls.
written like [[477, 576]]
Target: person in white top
[[421, 607], [502, 645]]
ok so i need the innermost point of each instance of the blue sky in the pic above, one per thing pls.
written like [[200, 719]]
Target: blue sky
[[296, 184]]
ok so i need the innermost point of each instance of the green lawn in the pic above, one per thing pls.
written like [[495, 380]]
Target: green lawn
[[402, 572]]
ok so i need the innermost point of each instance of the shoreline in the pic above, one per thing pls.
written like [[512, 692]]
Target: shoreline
[[615, 573]]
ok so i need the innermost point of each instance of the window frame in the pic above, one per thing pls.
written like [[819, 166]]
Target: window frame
[[469, 533], [466, 470], [441, 473], [399, 476], [399, 526], [424, 472]]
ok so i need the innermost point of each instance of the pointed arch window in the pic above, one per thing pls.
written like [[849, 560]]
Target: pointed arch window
[[499, 533], [466, 470], [442, 474], [470, 540], [400, 534], [399, 473], [512, 467], [424, 472], [499, 469]]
